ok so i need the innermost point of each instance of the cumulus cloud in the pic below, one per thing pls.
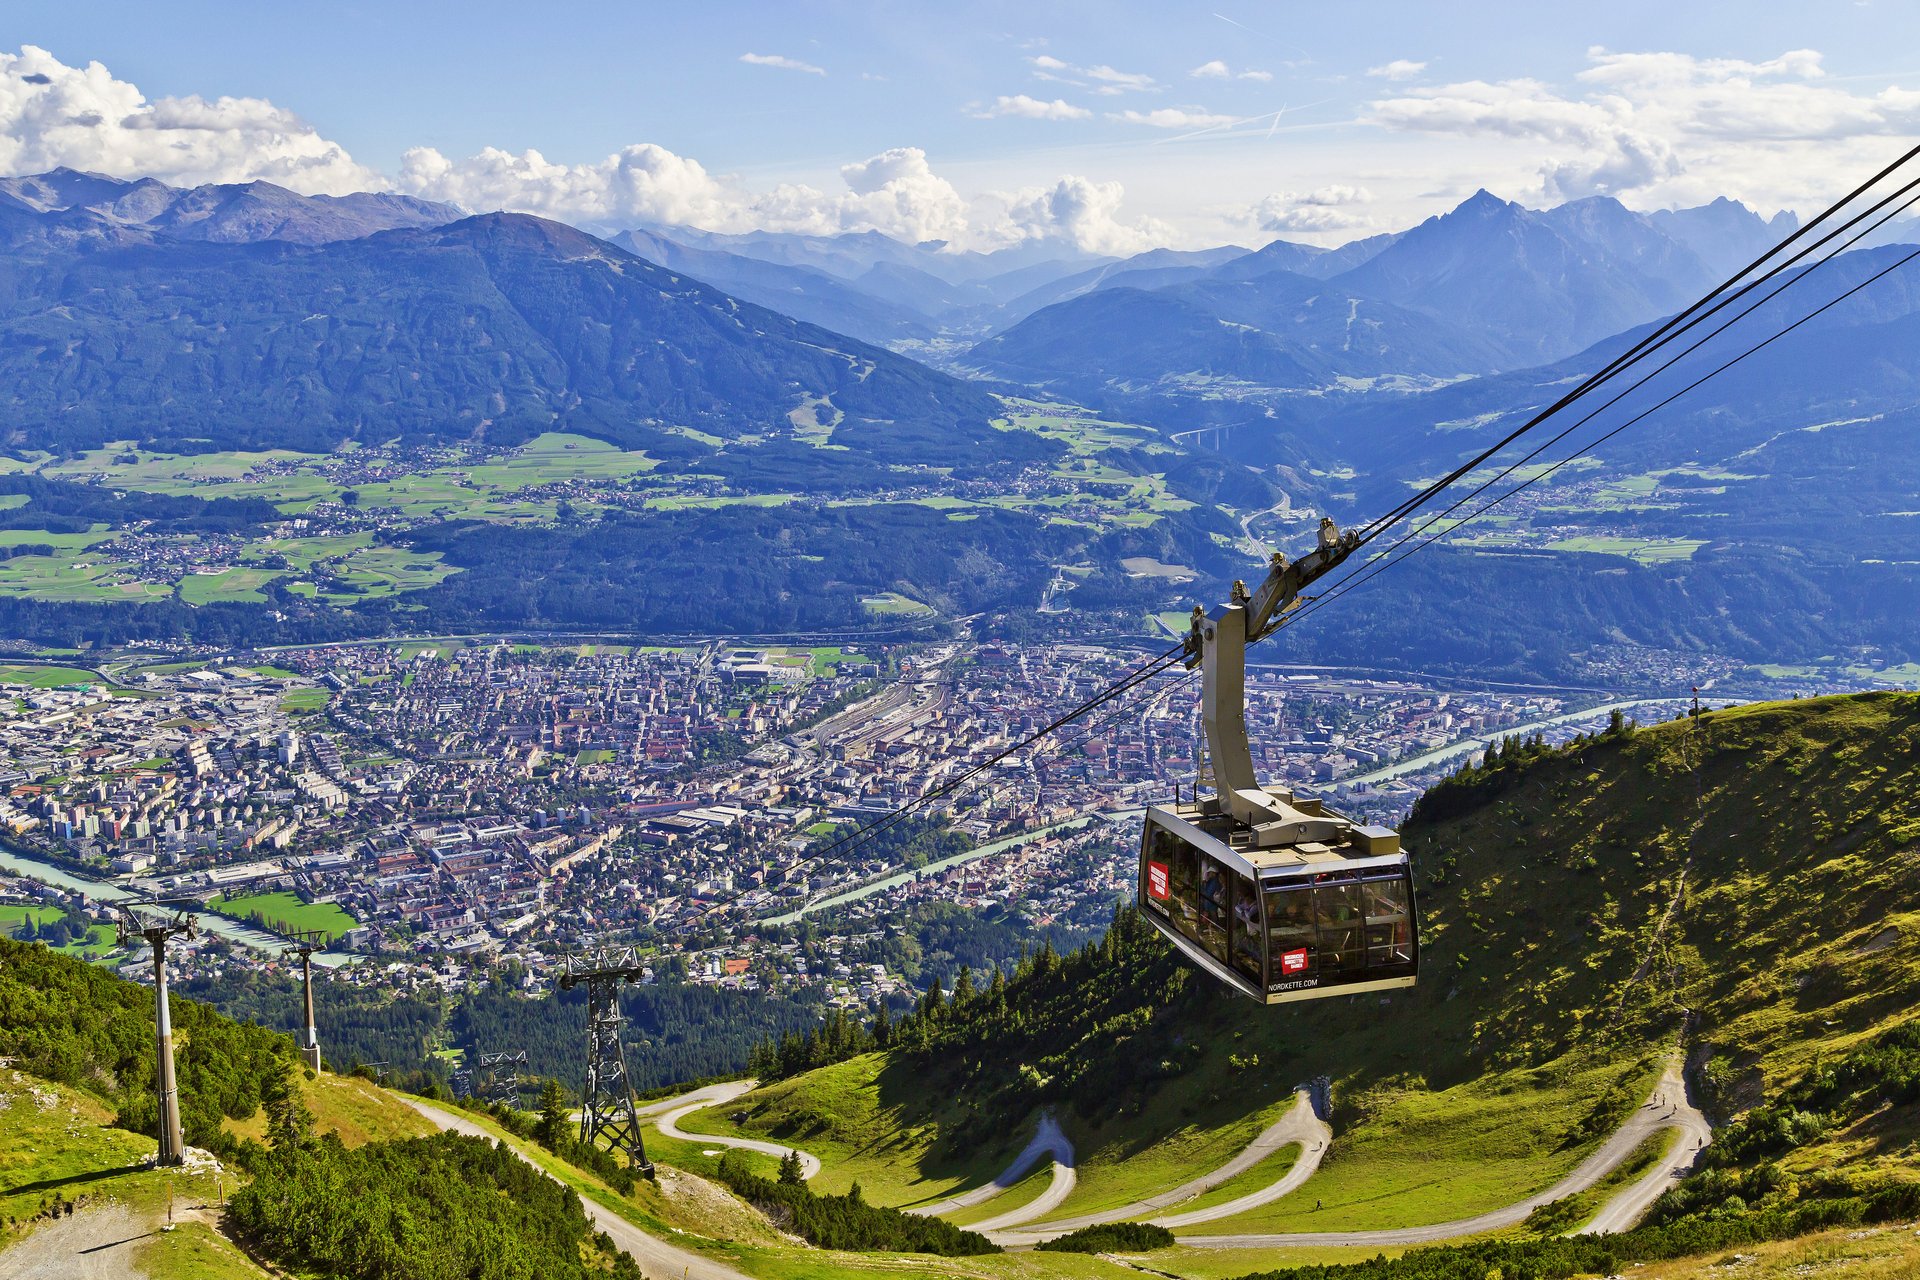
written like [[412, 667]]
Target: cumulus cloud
[[1085, 215], [1033, 109], [1321, 209], [82, 117], [1398, 69], [1643, 122], [1262, 76], [1173, 118], [1214, 69], [777, 60]]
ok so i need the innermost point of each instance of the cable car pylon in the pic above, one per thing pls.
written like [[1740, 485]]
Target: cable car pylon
[[305, 943], [607, 1106], [133, 924]]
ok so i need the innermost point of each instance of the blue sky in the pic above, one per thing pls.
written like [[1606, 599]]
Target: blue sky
[[1113, 125]]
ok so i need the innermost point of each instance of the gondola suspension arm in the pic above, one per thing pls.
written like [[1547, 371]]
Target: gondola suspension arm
[[1217, 645]]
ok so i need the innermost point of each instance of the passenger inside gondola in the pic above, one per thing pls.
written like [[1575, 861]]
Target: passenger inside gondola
[[1213, 910], [1246, 928]]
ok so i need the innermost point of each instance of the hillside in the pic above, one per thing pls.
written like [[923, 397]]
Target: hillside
[[1579, 926], [272, 1152], [494, 328]]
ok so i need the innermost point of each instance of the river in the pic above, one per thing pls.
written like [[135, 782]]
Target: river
[[247, 935], [1467, 745]]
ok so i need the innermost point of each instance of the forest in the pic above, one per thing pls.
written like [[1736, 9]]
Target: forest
[[435, 1208], [78, 1025]]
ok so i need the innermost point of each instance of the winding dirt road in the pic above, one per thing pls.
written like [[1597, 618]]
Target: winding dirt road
[[1300, 1125], [1668, 1108], [1048, 1140], [668, 1114]]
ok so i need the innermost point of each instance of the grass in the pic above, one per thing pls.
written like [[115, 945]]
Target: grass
[[596, 755], [893, 604], [194, 1251], [1425, 1157], [54, 1140], [1262, 1175], [285, 912], [96, 579], [1647, 551], [47, 677], [304, 701], [229, 586], [693, 1157], [825, 660], [864, 1128], [1020, 1194], [358, 1110]]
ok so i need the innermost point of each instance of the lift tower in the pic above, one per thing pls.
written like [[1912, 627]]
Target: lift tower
[[156, 930], [606, 1103], [502, 1072], [305, 943]]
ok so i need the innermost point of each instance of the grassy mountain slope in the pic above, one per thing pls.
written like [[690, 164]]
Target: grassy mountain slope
[[1577, 927]]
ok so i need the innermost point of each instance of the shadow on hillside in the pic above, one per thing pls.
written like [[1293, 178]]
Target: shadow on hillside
[[72, 1179]]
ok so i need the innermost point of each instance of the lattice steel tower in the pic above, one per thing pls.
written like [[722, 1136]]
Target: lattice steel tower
[[133, 924], [606, 1103], [501, 1075]]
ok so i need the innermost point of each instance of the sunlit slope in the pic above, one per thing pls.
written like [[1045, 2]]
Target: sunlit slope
[[1741, 889]]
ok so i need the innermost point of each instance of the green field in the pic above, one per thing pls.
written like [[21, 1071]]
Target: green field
[[1640, 550], [229, 586], [286, 913], [303, 701], [893, 604], [46, 677]]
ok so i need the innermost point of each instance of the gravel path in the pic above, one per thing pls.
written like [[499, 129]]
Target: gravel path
[[93, 1244], [1667, 1108], [1300, 1125]]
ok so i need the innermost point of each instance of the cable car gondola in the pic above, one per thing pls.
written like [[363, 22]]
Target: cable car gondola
[[1267, 892]]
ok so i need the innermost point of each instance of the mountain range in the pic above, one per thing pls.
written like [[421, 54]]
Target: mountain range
[[1487, 287], [250, 317]]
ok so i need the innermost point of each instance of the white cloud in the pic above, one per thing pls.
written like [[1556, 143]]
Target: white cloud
[[1273, 215], [1215, 69], [1670, 126], [1104, 79], [1083, 214], [777, 60], [1262, 76], [82, 117], [1398, 69], [53, 115], [1321, 209], [1120, 79], [1033, 109], [1173, 118]]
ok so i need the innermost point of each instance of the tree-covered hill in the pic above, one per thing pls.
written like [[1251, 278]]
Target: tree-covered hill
[[494, 328], [1741, 887]]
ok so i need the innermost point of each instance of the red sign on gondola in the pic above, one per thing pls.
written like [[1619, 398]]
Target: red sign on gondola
[[1294, 961], [1157, 880]]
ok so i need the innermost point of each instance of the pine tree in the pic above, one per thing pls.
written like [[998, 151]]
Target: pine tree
[[552, 1126], [791, 1174]]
